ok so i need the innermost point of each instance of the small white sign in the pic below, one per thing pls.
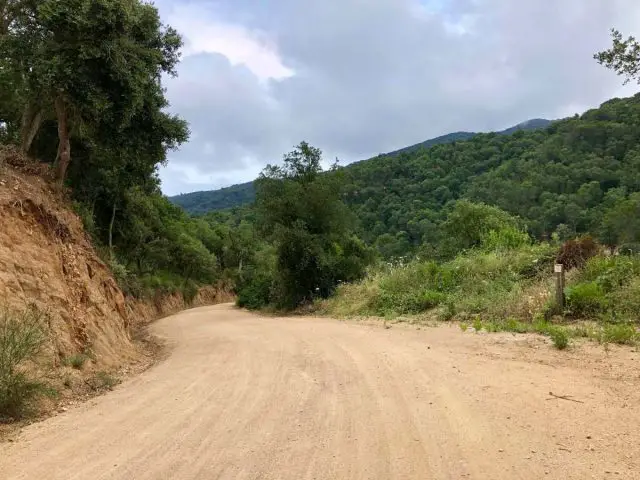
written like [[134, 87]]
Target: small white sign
[[557, 268]]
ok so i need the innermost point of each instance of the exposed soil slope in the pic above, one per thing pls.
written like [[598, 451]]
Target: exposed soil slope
[[46, 259], [246, 397]]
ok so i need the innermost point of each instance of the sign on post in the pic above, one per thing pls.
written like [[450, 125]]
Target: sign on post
[[558, 269]]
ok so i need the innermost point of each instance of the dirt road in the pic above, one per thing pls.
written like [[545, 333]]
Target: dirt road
[[245, 397]]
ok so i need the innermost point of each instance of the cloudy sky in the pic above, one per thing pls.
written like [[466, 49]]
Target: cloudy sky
[[361, 77]]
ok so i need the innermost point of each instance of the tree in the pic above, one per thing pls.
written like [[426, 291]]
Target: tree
[[88, 63], [623, 57], [300, 210]]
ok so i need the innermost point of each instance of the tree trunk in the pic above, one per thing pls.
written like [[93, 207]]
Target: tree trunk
[[31, 121], [64, 144], [113, 219]]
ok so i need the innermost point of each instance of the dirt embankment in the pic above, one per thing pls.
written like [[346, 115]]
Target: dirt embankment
[[47, 260]]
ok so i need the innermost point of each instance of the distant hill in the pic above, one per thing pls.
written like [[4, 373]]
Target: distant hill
[[533, 124], [198, 203]]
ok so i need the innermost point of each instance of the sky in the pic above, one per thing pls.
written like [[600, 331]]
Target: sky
[[361, 77]]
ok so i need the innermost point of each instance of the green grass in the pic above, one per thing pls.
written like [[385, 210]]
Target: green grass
[[559, 337], [622, 334], [505, 291], [490, 284]]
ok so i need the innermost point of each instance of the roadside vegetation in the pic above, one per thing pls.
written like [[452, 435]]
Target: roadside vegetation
[[23, 334]]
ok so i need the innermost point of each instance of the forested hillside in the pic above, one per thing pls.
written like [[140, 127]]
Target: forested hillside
[[569, 177], [574, 176], [198, 203]]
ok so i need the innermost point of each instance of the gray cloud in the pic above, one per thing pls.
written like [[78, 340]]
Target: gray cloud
[[373, 76]]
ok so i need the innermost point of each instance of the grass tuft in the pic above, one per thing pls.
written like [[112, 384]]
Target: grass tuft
[[77, 360]]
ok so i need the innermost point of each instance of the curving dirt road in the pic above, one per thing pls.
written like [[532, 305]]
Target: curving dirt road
[[245, 397]]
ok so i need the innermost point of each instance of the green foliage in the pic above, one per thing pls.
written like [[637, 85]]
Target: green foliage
[[497, 285], [300, 211], [506, 238], [477, 324], [623, 57], [576, 176], [607, 287], [622, 334], [81, 83], [22, 336], [198, 203], [559, 337], [585, 299], [470, 225]]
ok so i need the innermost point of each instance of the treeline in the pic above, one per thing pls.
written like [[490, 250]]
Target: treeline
[[80, 89]]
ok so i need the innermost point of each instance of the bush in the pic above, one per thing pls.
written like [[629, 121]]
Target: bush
[[408, 302], [255, 292], [76, 360], [22, 336], [87, 218], [586, 299], [507, 238], [559, 337], [623, 334], [575, 253]]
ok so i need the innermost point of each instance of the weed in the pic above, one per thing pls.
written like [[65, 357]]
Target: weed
[[77, 360], [493, 327], [559, 337], [102, 381], [513, 325], [586, 299], [22, 336], [477, 324], [464, 326], [623, 334]]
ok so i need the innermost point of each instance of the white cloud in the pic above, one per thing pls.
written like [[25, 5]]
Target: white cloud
[[205, 34]]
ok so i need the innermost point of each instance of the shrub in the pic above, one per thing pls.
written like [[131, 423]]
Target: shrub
[[507, 238], [189, 290], [611, 272], [559, 337], [102, 381], [87, 218], [586, 299], [255, 292], [575, 253], [77, 360], [623, 334], [22, 336]]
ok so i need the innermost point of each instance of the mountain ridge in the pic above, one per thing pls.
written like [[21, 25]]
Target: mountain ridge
[[240, 194]]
